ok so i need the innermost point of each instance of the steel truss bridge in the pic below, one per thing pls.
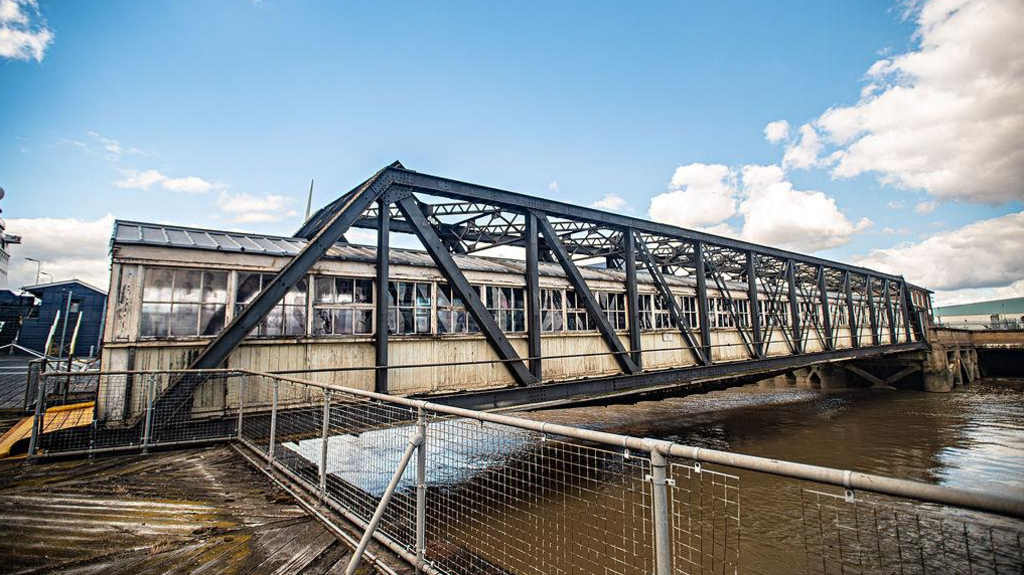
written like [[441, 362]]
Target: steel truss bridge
[[453, 217]]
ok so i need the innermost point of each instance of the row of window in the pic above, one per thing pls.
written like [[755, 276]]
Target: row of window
[[180, 302]]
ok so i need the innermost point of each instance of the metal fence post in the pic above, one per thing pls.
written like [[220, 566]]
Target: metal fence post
[[421, 492], [37, 420], [273, 425], [662, 526], [323, 444], [241, 403], [147, 427]]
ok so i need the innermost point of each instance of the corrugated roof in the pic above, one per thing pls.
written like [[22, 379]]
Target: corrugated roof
[[161, 235], [996, 306]]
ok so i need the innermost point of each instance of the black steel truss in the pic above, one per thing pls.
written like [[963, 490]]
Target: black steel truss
[[791, 298]]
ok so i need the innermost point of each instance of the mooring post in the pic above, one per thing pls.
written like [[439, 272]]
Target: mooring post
[[273, 425], [323, 444], [662, 526], [421, 492], [37, 420], [147, 426]]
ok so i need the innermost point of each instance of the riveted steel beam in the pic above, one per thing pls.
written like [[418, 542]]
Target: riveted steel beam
[[410, 208], [754, 303], [667, 296], [794, 308], [851, 315], [383, 285], [579, 284], [632, 297], [533, 325]]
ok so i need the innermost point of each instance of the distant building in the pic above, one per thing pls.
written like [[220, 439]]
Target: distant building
[[13, 309], [63, 308], [6, 239], [993, 314]]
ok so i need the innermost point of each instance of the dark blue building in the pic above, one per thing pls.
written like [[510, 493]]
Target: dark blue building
[[77, 303]]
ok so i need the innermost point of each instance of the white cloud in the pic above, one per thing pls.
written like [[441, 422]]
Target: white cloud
[[248, 208], [776, 131], [902, 231], [945, 117], [68, 248], [773, 212], [804, 152], [984, 254], [699, 195], [896, 205], [553, 187], [610, 202], [143, 180], [24, 34], [1016, 289], [925, 207], [776, 214]]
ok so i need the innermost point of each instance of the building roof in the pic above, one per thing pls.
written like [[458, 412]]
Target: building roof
[[43, 287], [161, 235], [991, 307]]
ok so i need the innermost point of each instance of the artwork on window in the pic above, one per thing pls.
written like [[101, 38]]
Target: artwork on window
[[342, 306], [286, 319], [179, 302]]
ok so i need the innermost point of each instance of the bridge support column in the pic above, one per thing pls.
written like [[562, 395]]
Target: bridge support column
[[807, 378], [832, 377], [938, 371]]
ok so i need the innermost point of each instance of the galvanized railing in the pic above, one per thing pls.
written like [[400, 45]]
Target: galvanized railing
[[456, 491]]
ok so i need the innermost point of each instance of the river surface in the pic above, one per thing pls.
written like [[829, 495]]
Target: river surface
[[972, 438]]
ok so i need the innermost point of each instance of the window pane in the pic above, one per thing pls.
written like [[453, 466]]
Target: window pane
[[364, 321], [423, 321], [444, 321], [187, 284], [323, 322], [460, 325], [344, 290], [392, 320], [343, 321], [154, 319], [392, 291], [215, 287], [556, 299], [407, 295], [519, 321], [324, 290], [364, 291], [423, 297], [295, 320], [248, 287], [296, 295], [211, 320], [443, 295], [184, 318], [546, 321], [157, 287], [274, 324], [406, 323]]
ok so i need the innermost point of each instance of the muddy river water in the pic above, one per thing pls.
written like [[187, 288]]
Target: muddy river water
[[972, 438]]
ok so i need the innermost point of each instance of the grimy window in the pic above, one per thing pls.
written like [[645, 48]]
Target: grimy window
[[409, 308], [614, 306], [452, 316], [688, 304], [183, 302], [576, 318], [653, 312], [551, 318], [342, 306], [508, 306], [287, 318]]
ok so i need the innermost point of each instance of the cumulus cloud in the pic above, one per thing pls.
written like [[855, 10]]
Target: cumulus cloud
[[143, 180], [984, 254], [804, 152], [775, 213], [610, 202], [699, 195], [24, 34], [771, 210], [776, 131], [896, 204], [945, 117], [553, 187], [67, 247], [248, 208]]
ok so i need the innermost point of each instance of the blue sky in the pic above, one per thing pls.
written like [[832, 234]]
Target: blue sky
[[251, 100]]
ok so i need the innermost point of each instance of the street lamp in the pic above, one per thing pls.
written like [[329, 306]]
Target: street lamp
[[45, 274], [39, 266]]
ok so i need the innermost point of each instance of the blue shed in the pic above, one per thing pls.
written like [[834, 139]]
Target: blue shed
[[77, 303]]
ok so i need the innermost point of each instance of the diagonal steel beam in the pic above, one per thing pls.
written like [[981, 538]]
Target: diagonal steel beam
[[826, 309], [670, 301], [410, 208], [632, 298], [589, 301], [851, 316], [246, 321]]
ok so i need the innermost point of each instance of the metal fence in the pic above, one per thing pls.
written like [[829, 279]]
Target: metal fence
[[456, 491]]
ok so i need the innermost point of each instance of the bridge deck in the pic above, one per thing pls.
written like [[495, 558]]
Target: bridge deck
[[184, 511]]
